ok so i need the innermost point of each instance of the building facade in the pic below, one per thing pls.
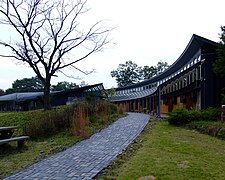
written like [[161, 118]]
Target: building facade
[[189, 83], [34, 100]]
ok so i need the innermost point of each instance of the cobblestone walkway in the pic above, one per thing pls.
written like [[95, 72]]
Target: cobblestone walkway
[[87, 158]]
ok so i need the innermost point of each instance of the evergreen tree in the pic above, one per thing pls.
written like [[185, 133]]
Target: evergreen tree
[[26, 85], [219, 64], [126, 74], [130, 73]]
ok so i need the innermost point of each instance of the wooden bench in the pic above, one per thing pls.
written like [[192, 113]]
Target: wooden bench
[[20, 140]]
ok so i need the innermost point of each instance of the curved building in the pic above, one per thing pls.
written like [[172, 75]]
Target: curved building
[[189, 82]]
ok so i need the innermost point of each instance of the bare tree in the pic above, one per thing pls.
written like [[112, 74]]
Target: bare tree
[[49, 37]]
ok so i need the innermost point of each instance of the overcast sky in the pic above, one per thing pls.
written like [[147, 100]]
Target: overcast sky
[[147, 31]]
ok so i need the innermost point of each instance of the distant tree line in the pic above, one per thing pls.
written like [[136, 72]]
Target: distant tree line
[[34, 84], [130, 73]]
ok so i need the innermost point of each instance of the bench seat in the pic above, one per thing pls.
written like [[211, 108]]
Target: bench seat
[[20, 140]]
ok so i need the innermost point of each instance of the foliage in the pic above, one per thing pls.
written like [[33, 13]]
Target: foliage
[[130, 73], [32, 84], [221, 133], [212, 128], [49, 122], [40, 123], [219, 64], [47, 34], [169, 152], [64, 85], [178, 116], [211, 114], [91, 98], [113, 109], [126, 74], [207, 124], [162, 66], [109, 93], [182, 116], [147, 72]]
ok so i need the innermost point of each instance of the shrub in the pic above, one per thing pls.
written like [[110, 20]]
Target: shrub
[[194, 115], [39, 123], [113, 109], [98, 110], [80, 121], [48, 122], [212, 114], [221, 133], [179, 116]]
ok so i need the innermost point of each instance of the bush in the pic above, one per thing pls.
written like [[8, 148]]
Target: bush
[[194, 115], [48, 122], [212, 114], [39, 123], [113, 109], [179, 116], [221, 133]]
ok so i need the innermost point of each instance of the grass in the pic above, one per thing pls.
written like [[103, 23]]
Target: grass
[[208, 123], [12, 160], [168, 152]]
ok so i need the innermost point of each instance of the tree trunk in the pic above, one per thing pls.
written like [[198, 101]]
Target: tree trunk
[[47, 95]]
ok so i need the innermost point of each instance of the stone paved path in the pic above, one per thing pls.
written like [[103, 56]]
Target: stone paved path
[[87, 158]]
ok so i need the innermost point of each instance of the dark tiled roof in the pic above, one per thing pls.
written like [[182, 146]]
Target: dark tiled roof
[[193, 48], [34, 95], [21, 96], [133, 95], [196, 43]]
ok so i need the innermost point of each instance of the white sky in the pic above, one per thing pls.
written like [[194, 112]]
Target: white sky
[[147, 31]]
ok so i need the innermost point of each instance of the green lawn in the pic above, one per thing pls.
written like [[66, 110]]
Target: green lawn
[[45, 144], [14, 160], [168, 152]]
